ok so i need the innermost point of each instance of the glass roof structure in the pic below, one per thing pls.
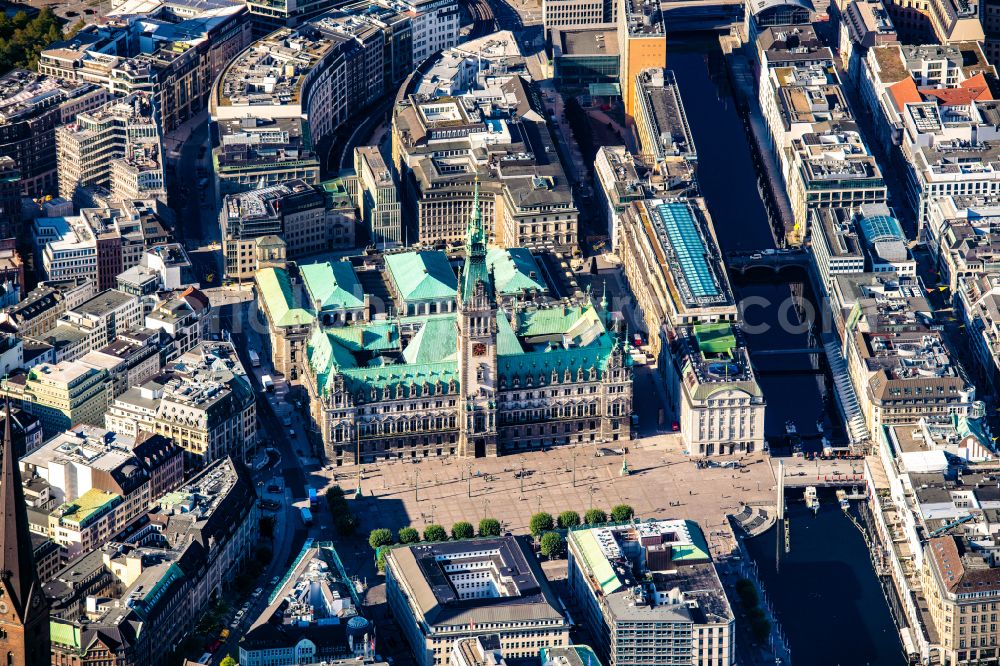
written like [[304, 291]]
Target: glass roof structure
[[688, 249]]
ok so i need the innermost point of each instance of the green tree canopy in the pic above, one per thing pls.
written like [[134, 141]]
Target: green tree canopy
[[408, 535], [621, 513], [435, 533], [462, 530], [380, 537], [489, 527], [541, 522], [595, 517], [568, 519], [229, 661], [553, 545]]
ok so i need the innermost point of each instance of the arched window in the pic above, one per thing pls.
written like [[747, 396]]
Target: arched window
[[10, 659]]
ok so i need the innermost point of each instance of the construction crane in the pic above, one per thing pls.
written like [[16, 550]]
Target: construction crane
[[955, 523]]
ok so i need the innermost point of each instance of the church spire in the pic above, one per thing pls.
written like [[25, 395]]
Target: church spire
[[25, 617], [475, 235], [16, 563]]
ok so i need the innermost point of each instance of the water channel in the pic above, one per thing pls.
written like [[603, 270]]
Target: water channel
[[827, 595]]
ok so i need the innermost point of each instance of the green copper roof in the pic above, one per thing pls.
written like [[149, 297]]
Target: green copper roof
[[596, 561], [88, 507], [423, 275], [696, 550], [514, 271], [64, 634], [275, 288], [715, 339], [507, 342], [332, 286], [437, 340]]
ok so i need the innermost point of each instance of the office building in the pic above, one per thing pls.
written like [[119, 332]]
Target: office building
[[207, 405], [585, 58], [33, 106], [294, 212], [61, 395], [660, 120], [254, 152], [89, 149], [642, 44], [378, 198], [441, 593], [901, 369], [158, 579], [934, 111], [713, 392], [674, 268], [313, 616], [651, 591], [505, 145], [172, 50]]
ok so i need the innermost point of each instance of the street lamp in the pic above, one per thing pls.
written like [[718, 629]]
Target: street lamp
[[416, 485]]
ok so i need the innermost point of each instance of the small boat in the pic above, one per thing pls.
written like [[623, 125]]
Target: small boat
[[812, 498], [845, 504], [791, 428]]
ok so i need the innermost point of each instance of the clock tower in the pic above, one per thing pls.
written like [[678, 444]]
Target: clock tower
[[24, 611], [477, 345]]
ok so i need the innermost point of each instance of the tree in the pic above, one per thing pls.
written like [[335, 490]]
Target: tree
[[489, 527], [462, 530], [568, 519], [435, 533], [540, 522], [408, 535], [595, 517], [380, 537], [622, 513], [553, 545], [229, 661]]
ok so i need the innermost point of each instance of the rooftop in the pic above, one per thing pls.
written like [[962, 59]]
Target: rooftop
[[516, 590], [661, 99]]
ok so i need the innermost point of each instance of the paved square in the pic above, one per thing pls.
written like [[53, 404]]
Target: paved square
[[663, 482]]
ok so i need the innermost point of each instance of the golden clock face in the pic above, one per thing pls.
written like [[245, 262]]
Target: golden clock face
[[479, 349]]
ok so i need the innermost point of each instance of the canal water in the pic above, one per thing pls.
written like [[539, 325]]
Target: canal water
[[827, 595]]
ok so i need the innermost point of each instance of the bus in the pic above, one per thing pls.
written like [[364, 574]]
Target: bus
[[307, 516], [254, 359]]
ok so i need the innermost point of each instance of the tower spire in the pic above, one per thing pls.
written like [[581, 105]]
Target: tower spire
[[26, 616]]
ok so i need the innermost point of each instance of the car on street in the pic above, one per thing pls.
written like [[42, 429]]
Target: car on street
[[257, 592]]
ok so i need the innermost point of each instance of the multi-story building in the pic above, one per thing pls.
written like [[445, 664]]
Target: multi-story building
[[559, 14], [37, 312], [660, 120], [127, 362], [357, 396], [935, 104], [61, 395], [962, 587], [650, 591], [105, 316], [962, 235], [504, 144], [159, 577], [89, 148], [294, 211], [254, 152], [900, 366], [99, 243], [33, 107], [978, 299], [713, 391], [378, 198], [313, 617], [642, 44], [674, 269], [584, 56], [623, 178], [289, 316], [956, 21], [863, 24], [823, 160], [207, 405], [172, 50], [444, 592], [836, 245]]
